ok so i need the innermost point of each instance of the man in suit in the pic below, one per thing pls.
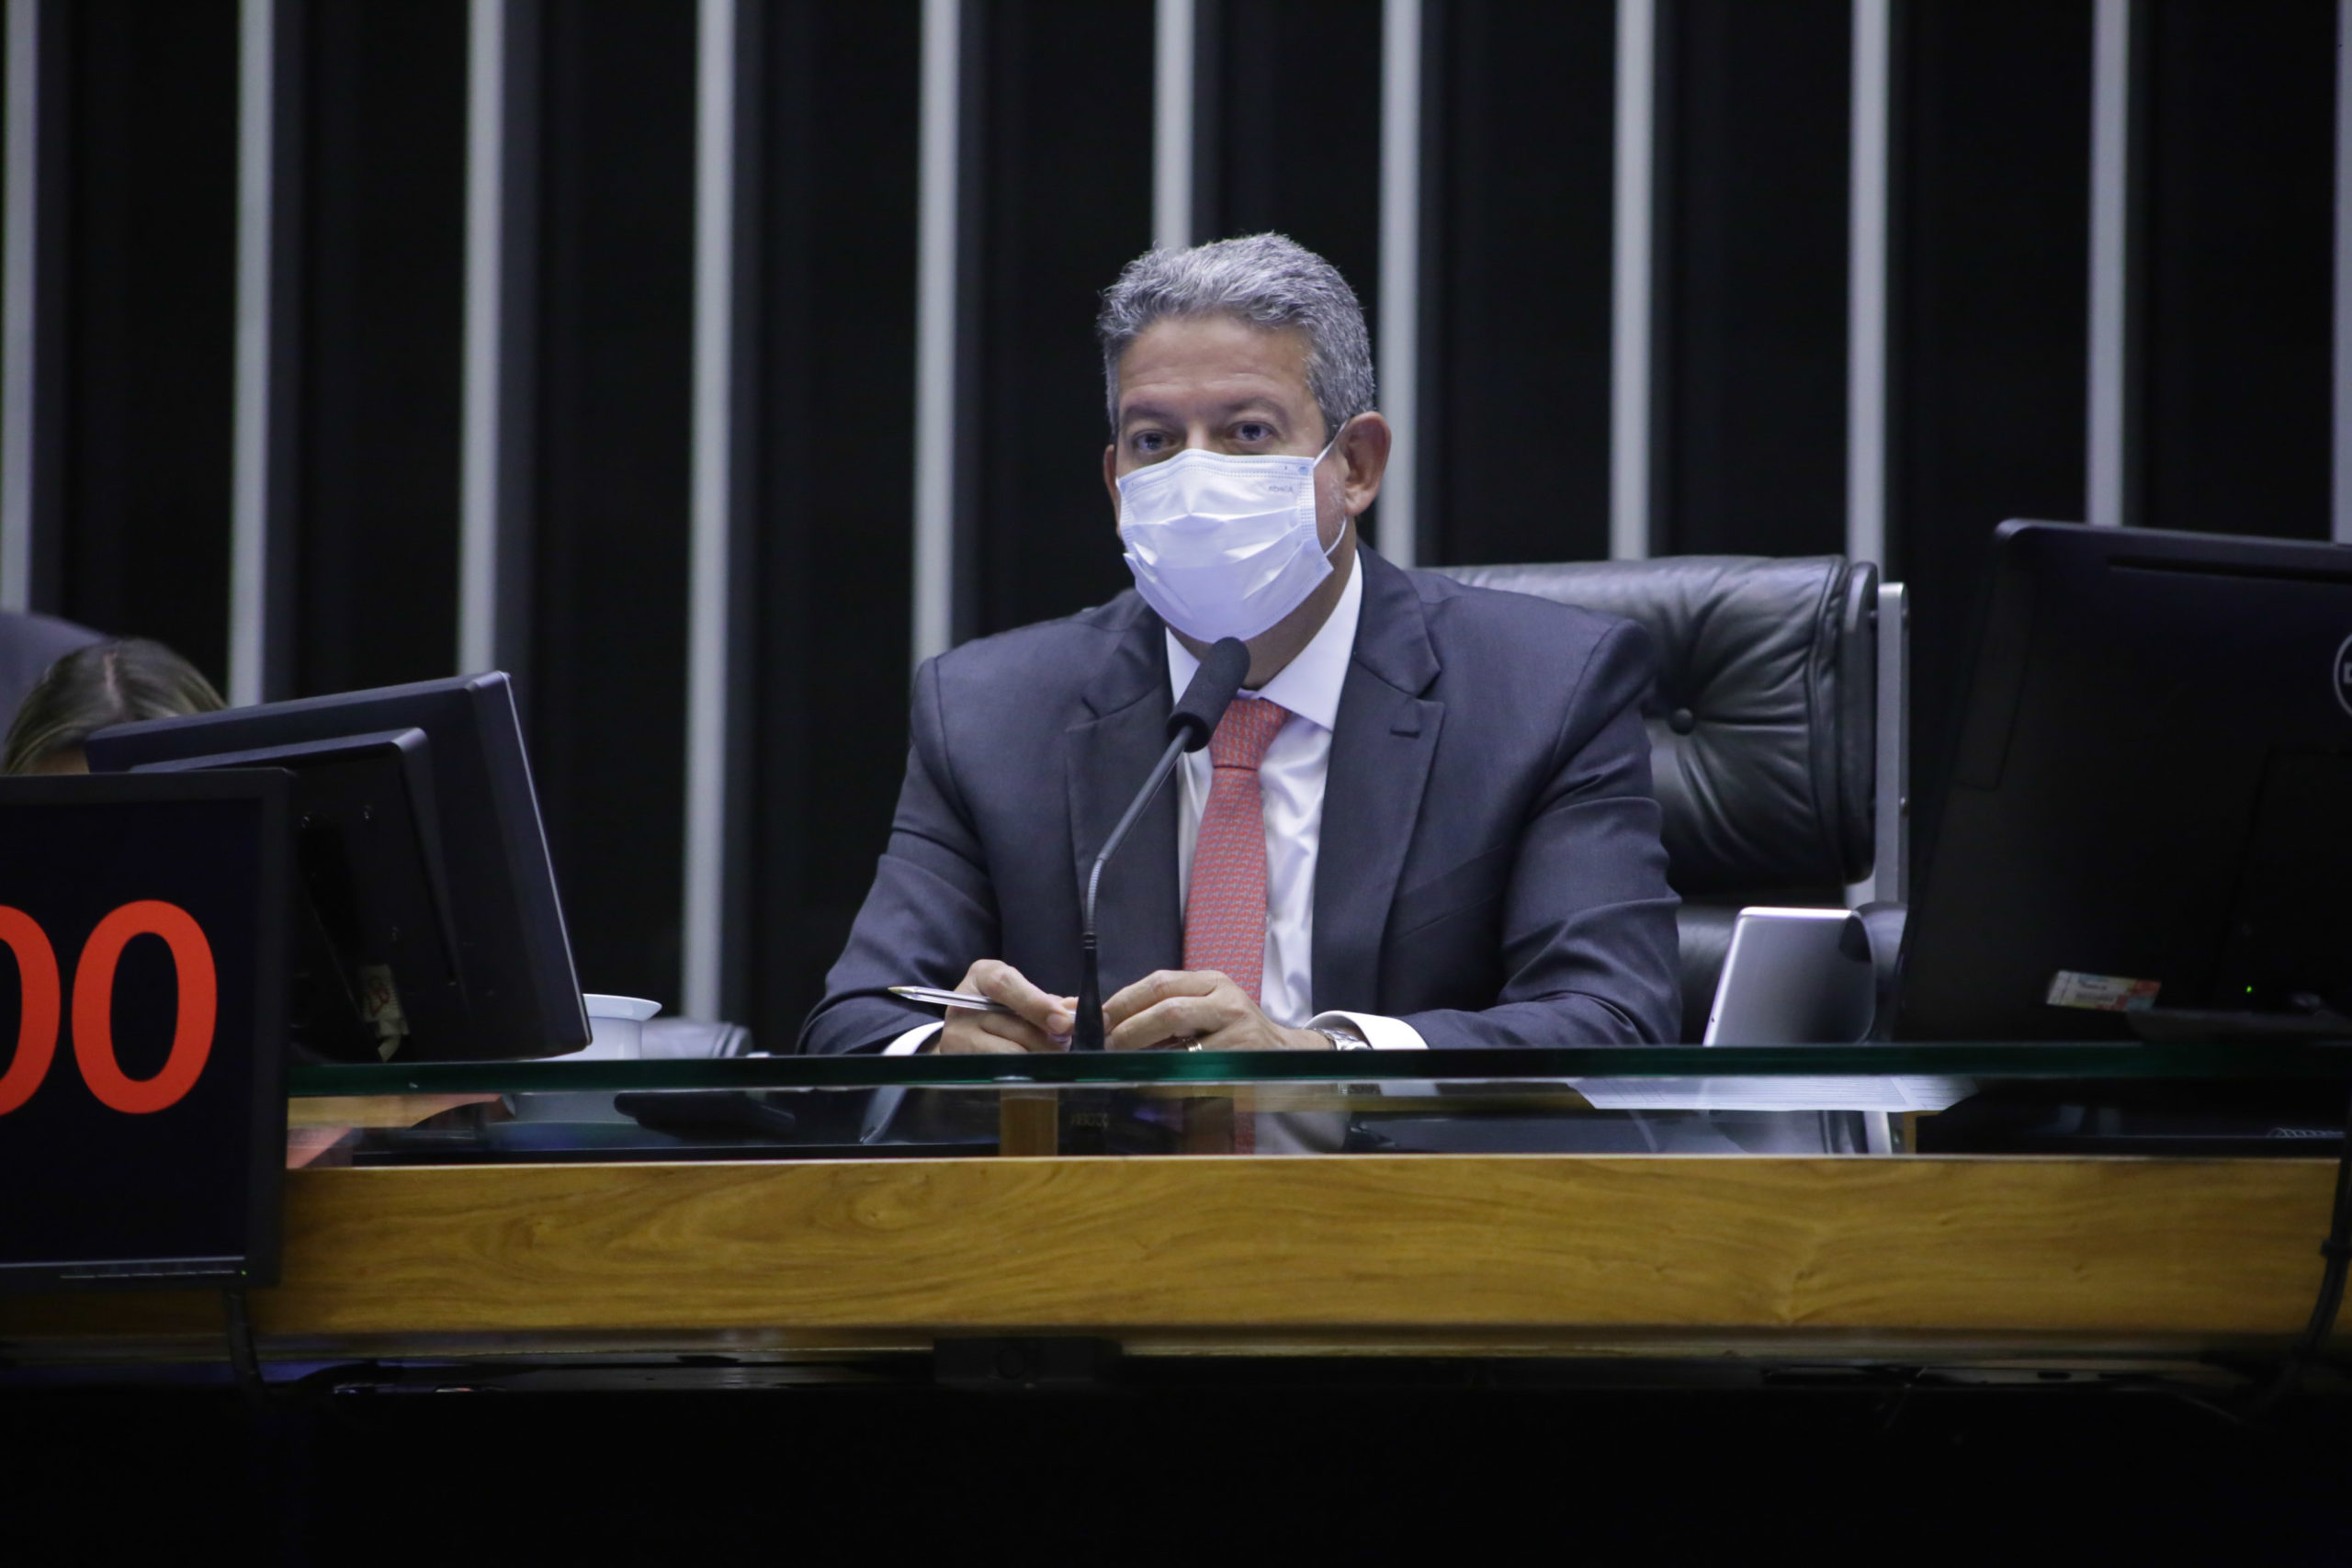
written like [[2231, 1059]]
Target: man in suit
[[1428, 819]]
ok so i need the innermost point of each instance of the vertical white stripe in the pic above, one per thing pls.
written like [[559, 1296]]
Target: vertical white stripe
[[713, 509], [1635, 214], [2110, 263], [1171, 125], [1400, 273], [250, 499], [18, 334], [934, 543], [1866, 290], [2343, 455], [478, 507]]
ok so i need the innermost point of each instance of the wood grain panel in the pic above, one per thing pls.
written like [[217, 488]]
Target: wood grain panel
[[2009, 1250]]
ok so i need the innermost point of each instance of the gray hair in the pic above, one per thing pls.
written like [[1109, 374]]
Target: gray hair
[[1267, 280]]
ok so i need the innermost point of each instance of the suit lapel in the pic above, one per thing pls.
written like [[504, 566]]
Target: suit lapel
[[1382, 745], [1136, 919]]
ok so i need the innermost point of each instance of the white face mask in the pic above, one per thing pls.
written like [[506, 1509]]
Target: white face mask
[[1223, 546]]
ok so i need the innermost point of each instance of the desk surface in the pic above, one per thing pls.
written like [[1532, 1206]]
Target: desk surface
[[1955, 1258]]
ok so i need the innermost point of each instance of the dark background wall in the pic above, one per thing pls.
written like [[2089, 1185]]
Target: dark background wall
[[1293, 129], [1750, 388], [1517, 188], [2240, 206], [1992, 259], [150, 338], [1991, 194], [608, 678], [834, 551], [381, 335], [1062, 203]]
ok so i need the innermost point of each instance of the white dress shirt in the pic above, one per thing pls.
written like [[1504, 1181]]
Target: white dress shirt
[[1291, 778]]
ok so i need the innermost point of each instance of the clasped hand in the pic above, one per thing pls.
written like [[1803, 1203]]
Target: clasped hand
[[1168, 1010]]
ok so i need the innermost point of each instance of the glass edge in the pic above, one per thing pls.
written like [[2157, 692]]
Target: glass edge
[[2053, 1060]]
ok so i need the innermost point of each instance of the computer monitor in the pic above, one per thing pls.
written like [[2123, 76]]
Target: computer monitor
[[142, 986], [428, 927], [2150, 805]]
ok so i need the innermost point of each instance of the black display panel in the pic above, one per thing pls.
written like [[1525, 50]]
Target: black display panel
[[143, 1101], [2147, 805], [416, 810]]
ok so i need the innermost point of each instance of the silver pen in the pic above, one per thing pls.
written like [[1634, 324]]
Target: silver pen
[[932, 996]]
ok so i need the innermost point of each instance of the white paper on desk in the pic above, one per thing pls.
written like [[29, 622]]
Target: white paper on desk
[[1774, 1094]]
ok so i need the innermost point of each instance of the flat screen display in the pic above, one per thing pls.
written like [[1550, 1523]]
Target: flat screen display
[[2147, 809], [446, 902], [142, 1107]]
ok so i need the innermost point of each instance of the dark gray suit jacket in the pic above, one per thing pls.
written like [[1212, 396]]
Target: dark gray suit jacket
[[1489, 868]]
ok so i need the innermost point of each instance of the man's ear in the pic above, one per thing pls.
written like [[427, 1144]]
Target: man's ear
[[1111, 476], [1363, 450]]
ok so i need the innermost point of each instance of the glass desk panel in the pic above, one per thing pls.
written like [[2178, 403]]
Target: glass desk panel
[[2064, 1059], [2174, 1098]]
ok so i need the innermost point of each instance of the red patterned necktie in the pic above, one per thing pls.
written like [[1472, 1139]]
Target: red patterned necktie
[[1224, 908]]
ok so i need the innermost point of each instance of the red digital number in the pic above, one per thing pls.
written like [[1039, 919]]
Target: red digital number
[[93, 1007], [94, 972], [37, 1026]]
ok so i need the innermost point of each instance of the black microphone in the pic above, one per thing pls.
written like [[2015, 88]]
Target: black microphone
[[1189, 724]]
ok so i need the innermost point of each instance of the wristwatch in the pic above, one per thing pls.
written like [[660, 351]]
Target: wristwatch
[[1343, 1036]]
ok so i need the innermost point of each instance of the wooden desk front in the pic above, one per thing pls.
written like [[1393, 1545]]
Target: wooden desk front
[[1948, 1257]]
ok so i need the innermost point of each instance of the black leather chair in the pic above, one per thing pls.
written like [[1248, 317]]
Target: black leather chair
[[1763, 728]]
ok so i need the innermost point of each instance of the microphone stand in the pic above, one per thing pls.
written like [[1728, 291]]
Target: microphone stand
[[1189, 724], [1087, 1035]]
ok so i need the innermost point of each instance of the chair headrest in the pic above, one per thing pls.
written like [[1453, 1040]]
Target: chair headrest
[[1763, 725]]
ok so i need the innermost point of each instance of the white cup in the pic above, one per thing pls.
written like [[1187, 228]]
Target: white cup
[[616, 1029]]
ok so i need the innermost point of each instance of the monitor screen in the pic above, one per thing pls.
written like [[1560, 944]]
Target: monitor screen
[[428, 925], [2147, 803], [143, 1104]]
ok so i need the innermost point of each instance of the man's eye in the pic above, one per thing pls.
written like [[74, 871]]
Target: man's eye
[[1150, 441], [1252, 431]]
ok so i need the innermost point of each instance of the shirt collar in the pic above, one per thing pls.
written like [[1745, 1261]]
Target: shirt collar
[[1309, 684]]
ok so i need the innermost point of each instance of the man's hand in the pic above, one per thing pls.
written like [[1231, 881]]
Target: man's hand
[[1180, 1007], [1037, 1023]]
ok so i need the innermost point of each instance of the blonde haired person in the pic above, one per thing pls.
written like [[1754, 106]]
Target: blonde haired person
[[106, 684]]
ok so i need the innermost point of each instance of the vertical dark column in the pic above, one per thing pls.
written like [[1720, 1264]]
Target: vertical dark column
[[383, 242], [1990, 258], [1066, 120], [2238, 268], [831, 616], [1208, 119], [1286, 136], [1754, 109], [1516, 328], [1294, 142], [608, 669], [150, 270]]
